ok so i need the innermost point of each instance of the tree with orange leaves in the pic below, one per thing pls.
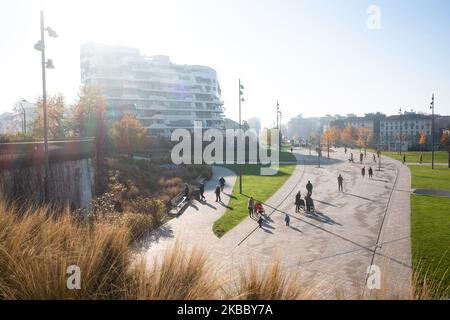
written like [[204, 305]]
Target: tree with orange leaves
[[364, 136], [445, 141], [349, 135], [329, 137], [128, 134]]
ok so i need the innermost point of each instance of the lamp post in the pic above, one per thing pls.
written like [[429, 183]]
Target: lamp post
[[24, 121], [279, 125], [40, 46], [319, 151], [241, 99], [432, 131], [400, 135]]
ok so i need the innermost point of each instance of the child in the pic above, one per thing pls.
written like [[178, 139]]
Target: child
[[287, 219], [260, 221]]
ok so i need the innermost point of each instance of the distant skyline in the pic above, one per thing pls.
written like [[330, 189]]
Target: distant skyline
[[315, 57]]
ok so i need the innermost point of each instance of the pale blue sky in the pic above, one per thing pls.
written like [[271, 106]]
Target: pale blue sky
[[315, 56]]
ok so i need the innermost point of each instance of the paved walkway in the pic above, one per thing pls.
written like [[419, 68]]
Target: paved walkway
[[425, 164], [433, 192], [194, 226], [367, 224]]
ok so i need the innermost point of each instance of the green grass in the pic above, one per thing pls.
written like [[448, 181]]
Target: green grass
[[423, 177], [254, 185], [430, 231], [414, 156]]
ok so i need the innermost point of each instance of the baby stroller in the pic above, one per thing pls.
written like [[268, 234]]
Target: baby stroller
[[302, 205], [310, 205], [259, 209]]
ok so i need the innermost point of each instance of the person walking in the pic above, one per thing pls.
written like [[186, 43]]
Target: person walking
[[202, 191], [404, 158], [340, 183], [363, 172], [251, 207], [421, 158], [361, 157], [345, 149], [287, 219], [370, 173], [292, 150], [222, 183], [186, 191], [217, 192], [374, 158], [351, 158], [298, 198], [309, 187]]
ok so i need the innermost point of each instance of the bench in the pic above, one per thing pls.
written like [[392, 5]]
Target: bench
[[178, 204]]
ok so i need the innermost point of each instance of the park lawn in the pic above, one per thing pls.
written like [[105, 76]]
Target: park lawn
[[254, 185], [430, 231], [414, 156], [423, 177]]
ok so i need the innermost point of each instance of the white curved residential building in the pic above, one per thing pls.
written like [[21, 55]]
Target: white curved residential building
[[164, 96]]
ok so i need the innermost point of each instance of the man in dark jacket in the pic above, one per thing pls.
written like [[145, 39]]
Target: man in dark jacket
[[341, 183], [202, 191], [222, 183], [217, 192], [309, 187]]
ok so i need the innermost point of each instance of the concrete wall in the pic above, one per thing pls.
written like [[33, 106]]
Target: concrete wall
[[70, 181]]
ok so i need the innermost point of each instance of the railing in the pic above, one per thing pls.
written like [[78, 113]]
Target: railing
[[22, 154]]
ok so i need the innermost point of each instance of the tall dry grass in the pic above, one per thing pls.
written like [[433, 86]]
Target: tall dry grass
[[37, 244]]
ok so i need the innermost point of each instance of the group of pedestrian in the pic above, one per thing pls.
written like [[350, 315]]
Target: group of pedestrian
[[219, 189], [307, 203], [370, 171], [255, 210]]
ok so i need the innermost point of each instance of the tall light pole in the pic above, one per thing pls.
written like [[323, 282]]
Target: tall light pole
[[40, 46], [400, 136], [279, 125], [24, 121], [432, 131], [241, 99], [319, 151]]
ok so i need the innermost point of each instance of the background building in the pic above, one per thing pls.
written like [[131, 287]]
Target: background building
[[164, 96], [405, 130]]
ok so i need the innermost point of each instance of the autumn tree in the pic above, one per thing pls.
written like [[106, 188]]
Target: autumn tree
[[88, 120], [128, 134], [349, 135], [445, 141], [422, 141], [364, 136], [329, 138], [55, 117]]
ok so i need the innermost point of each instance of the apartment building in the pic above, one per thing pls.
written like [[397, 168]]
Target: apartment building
[[403, 131], [163, 95]]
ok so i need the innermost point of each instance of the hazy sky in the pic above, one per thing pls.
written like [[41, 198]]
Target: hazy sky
[[315, 56]]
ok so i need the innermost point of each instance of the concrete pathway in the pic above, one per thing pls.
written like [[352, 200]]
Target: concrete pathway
[[432, 192], [425, 164], [367, 224], [194, 226]]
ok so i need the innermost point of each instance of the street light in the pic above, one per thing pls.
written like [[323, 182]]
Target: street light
[[241, 99], [432, 131], [279, 116], [400, 136], [40, 46], [24, 121]]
